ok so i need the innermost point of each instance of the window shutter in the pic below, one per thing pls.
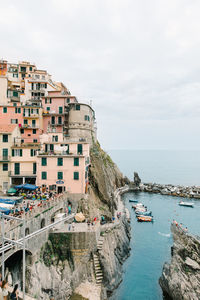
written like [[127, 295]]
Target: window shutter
[[20, 152], [13, 152]]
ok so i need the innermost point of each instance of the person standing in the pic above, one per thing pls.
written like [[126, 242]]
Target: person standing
[[15, 293]]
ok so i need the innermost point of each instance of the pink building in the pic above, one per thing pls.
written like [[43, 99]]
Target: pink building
[[64, 168]]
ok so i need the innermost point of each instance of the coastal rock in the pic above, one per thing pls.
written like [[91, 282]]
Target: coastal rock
[[180, 279], [137, 179]]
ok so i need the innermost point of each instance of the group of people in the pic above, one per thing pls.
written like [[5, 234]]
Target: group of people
[[4, 294]]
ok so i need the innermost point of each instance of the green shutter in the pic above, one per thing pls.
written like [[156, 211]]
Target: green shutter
[[76, 175], [80, 149], [20, 152], [44, 161], [60, 110], [5, 110], [44, 175], [13, 152], [34, 168], [76, 161], [17, 168], [60, 161], [60, 175]]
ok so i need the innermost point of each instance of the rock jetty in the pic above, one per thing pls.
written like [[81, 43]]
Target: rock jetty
[[171, 190], [180, 279]]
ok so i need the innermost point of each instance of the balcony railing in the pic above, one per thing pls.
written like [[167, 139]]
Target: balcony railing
[[33, 116], [29, 126], [5, 158], [21, 174]]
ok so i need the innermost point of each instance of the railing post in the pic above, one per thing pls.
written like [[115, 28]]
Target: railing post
[[24, 260], [3, 232]]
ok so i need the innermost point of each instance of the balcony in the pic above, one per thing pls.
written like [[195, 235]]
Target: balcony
[[4, 158], [15, 99], [27, 126], [21, 174], [31, 116], [56, 124]]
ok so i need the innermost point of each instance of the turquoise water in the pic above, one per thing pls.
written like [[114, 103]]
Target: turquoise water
[[151, 242]]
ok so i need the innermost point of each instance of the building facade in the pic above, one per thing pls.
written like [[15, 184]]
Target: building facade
[[50, 132]]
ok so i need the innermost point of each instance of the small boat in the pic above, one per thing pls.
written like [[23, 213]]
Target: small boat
[[137, 205], [140, 210], [132, 200], [145, 213], [145, 219], [188, 204]]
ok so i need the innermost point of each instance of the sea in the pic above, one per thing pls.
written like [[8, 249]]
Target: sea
[[151, 242]]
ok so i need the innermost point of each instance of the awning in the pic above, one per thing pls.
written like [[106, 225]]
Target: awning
[[11, 191], [26, 186]]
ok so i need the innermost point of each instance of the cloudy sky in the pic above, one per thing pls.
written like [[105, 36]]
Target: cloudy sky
[[136, 60]]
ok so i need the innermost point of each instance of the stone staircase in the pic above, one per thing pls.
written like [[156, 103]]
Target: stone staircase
[[97, 269]]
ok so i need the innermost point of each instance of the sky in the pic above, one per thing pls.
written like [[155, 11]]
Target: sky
[[136, 61]]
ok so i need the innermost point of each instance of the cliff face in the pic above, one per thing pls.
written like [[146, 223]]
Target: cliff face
[[180, 279], [63, 264]]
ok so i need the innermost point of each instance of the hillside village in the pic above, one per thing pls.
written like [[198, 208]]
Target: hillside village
[[45, 133]]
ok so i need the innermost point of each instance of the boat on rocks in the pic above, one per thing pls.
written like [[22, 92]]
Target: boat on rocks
[[145, 219], [188, 204]]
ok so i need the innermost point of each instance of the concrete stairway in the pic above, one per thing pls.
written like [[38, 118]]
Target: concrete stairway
[[100, 243], [97, 269]]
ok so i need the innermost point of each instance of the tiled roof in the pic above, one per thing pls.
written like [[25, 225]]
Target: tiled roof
[[7, 128]]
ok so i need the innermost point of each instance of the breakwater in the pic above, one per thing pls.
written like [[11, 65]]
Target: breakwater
[[170, 189]]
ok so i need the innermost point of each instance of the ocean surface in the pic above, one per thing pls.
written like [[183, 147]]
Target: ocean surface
[[151, 242]]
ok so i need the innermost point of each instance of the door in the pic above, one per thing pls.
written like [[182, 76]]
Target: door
[[33, 123], [17, 168], [53, 120], [5, 154], [34, 168], [60, 189]]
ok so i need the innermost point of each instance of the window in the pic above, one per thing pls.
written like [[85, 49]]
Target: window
[[15, 94], [76, 161], [53, 120], [60, 120], [5, 154], [85, 118], [80, 149], [33, 152], [17, 168], [34, 131], [14, 121], [17, 152], [25, 122], [60, 161], [5, 138], [5, 167], [60, 110], [60, 175], [76, 175], [34, 140], [68, 100], [54, 138], [48, 108], [33, 123], [44, 175], [34, 168], [17, 110], [78, 107], [15, 75], [14, 104], [30, 68], [22, 131], [44, 161], [23, 69], [5, 110]]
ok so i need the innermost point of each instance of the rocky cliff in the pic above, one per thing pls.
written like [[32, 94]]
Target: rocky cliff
[[65, 262], [180, 279]]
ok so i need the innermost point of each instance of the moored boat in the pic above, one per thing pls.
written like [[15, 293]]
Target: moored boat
[[145, 219], [132, 200], [188, 204], [145, 213]]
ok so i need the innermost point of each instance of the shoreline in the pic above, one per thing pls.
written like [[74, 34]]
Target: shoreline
[[168, 189]]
